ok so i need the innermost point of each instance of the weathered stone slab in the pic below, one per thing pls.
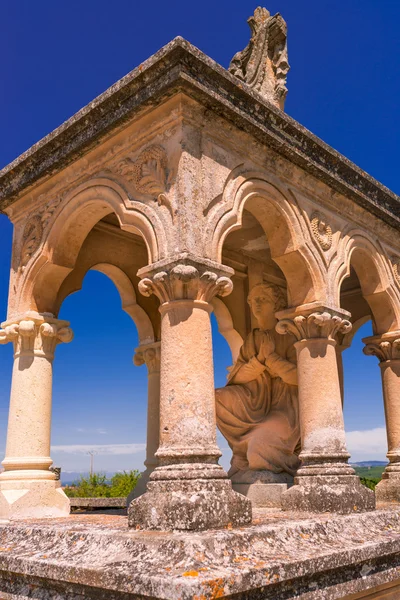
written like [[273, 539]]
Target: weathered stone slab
[[98, 502], [279, 557]]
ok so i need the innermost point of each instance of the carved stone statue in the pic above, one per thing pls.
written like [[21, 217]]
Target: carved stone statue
[[257, 411], [263, 64]]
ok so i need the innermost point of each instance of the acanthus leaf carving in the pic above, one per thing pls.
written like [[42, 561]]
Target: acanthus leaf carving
[[315, 325], [32, 334], [148, 174], [321, 230], [148, 354], [385, 347], [185, 282], [31, 239]]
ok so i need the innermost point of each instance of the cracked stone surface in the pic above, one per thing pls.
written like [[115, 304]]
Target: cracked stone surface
[[280, 556]]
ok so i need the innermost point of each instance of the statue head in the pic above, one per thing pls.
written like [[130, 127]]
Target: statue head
[[265, 299]]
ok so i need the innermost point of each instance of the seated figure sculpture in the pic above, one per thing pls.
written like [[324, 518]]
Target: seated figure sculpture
[[257, 411]]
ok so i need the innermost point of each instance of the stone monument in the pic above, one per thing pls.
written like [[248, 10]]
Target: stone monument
[[189, 187]]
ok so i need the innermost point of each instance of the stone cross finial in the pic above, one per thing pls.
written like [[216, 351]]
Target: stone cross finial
[[263, 64]]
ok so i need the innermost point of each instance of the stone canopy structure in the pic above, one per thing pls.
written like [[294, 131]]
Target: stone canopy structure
[[188, 186]]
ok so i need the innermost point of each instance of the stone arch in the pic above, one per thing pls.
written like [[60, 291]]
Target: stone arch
[[375, 278], [288, 242], [80, 211], [226, 328]]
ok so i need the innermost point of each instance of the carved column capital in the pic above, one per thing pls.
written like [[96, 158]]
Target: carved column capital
[[385, 347], [186, 278], [148, 354], [36, 334], [313, 324]]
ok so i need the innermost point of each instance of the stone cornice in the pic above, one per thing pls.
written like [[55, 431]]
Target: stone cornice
[[180, 67]]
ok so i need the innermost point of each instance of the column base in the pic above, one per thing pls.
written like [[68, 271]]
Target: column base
[[32, 499], [262, 495], [190, 505], [336, 494], [388, 489]]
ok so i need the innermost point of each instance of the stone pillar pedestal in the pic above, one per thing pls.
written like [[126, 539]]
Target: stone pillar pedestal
[[28, 489], [387, 348], [188, 490], [325, 480], [149, 354]]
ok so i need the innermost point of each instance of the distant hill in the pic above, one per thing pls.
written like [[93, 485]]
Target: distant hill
[[374, 472], [370, 463]]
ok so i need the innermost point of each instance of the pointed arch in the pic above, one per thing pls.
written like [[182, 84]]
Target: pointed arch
[[376, 280], [288, 242], [77, 215]]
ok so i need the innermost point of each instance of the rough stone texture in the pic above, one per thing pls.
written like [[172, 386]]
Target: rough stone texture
[[262, 494], [343, 494], [279, 557], [189, 505], [97, 502], [181, 66]]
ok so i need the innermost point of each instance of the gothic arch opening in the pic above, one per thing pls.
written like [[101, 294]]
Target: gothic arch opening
[[360, 376], [110, 319]]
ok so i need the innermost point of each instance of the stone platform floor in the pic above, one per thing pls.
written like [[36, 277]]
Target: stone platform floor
[[280, 556]]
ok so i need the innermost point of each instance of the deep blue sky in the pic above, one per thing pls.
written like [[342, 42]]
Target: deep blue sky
[[344, 85]]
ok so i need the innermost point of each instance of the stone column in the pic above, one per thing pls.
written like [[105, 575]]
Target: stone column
[[28, 489], [188, 490], [149, 354], [325, 480], [387, 348]]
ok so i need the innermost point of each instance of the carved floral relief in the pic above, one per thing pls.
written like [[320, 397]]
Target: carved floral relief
[[395, 260], [31, 239], [321, 230], [148, 173]]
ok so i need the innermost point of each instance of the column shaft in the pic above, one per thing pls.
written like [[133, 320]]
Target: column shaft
[[29, 421], [28, 489], [149, 354], [387, 348], [187, 415], [188, 490], [321, 416], [324, 482]]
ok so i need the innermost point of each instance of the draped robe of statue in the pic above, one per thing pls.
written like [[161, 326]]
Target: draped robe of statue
[[257, 411]]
